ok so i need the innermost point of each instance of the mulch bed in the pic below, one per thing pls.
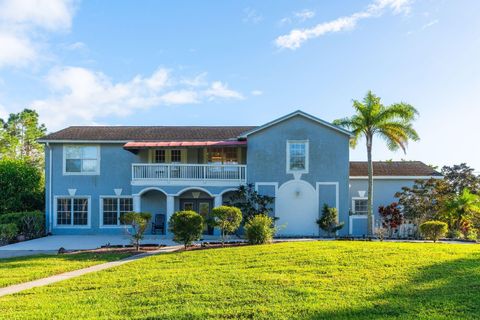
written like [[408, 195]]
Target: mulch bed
[[214, 245], [119, 249]]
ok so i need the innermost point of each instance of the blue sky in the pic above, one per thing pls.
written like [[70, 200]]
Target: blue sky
[[245, 63]]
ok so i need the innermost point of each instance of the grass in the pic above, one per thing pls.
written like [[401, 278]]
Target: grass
[[23, 269], [304, 280]]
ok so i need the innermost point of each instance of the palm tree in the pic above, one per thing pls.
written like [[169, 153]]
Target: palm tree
[[391, 123], [462, 208]]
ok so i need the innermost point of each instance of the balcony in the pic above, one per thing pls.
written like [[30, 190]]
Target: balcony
[[191, 174]]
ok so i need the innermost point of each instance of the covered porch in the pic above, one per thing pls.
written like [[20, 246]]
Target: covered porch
[[162, 202], [213, 162]]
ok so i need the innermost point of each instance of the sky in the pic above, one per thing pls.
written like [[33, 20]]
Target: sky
[[245, 63]]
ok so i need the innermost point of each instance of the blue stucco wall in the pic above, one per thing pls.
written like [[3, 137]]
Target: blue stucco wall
[[328, 158], [383, 194]]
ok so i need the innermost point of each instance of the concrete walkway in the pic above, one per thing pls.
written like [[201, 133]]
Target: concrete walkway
[[76, 273]]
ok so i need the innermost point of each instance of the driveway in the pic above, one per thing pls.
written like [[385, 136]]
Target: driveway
[[51, 244]]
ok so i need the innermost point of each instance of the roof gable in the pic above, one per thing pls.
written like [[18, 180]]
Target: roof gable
[[294, 114]]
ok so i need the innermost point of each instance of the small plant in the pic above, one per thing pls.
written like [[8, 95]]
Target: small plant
[[186, 226], [226, 218], [381, 233], [138, 222], [391, 216], [328, 221], [7, 232], [259, 229], [433, 229]]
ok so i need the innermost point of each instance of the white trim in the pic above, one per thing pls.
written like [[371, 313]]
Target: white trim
[[82, 141], [193, 188], [227, 190], [293, 114], [64, 161], [50, 200], [100, 210], [193, 183], [337, 194], [274, 184], [396, 177], [270, 184], [149, 189], [359, 216], [73, 226], [307, 147], [358, 198]]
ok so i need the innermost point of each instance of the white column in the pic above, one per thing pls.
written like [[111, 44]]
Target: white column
[[136, 203], [217, 202], [170, 209]]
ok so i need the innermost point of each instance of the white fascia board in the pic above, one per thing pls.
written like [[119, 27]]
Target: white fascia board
[[396, 177]]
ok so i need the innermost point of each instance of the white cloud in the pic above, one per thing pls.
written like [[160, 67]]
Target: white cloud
[[256, 92], [297, 37], [24, 24], [430, 24], [221, 90], [83, 96], [304, 14], [251, 16], [76, 46]]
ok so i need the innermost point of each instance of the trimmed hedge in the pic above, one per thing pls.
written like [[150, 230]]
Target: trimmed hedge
[[433, 229], [30, 224], [8, 232]]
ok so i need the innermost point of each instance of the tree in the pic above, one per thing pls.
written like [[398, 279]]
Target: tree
[[391, 123], [328, 220], [250, 202], [433, 229], [391, 216], [420, 202], [186, 226], [138, 222], [460, 210], [21, 185], [458, 178], [19, 135], [227, 218]]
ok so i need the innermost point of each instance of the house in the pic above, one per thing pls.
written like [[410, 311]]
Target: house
[[95, 174]]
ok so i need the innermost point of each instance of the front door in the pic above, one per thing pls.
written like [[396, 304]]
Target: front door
[[202, 207]]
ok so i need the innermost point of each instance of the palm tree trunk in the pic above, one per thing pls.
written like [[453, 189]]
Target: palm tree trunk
[[370, 186]]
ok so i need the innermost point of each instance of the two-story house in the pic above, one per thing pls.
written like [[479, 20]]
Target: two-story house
[[94, 174]]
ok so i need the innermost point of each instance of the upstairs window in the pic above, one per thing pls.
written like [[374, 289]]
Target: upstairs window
[[159, 156], [81, 160], [297, 156], [176, 156]]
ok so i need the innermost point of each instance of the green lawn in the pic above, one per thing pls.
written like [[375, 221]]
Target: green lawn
[[23, 269], [309, 280]]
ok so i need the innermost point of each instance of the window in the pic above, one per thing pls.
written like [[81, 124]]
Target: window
[[360, 206], [297, 156], [72, 211], [231, 155], [176, 155], [114, 208], [159, 156], [81, 159]]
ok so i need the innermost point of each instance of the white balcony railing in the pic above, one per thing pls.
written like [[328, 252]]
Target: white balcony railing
[[189, 172]]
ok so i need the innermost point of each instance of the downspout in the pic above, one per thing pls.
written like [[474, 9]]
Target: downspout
[[50, 221]]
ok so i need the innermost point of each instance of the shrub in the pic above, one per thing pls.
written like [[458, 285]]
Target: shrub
[[186, 226], [226, 218], [30, 224], [433, 229], [472, 234], [22, 186], [259, 229], [8, 231], [328, 220], [391, 217], [138, 222]]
